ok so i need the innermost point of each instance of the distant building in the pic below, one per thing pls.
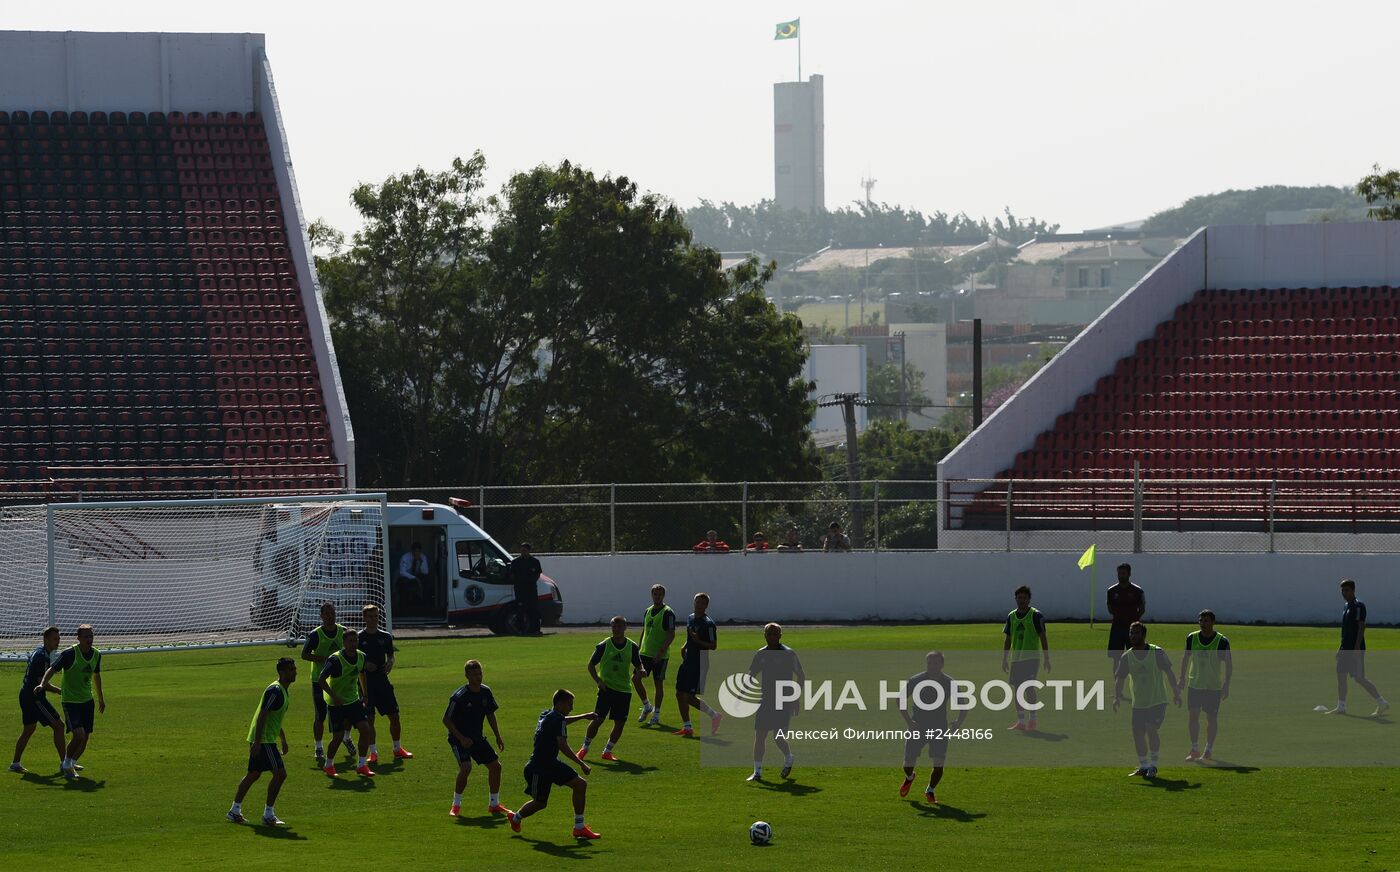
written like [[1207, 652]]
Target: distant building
[[799, 151]]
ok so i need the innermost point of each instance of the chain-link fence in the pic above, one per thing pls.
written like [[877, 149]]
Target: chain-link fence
[[1144, 515], [668, 517]]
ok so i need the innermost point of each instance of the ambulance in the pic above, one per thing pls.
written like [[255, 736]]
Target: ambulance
[[459, 577]]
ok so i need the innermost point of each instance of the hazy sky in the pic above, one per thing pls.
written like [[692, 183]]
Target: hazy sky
[[1080, 112]]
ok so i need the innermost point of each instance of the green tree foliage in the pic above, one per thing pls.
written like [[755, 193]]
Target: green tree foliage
[[1381, 187], [883, 388], [1246, 207], [786, 235], [891, 452], [565, 330]]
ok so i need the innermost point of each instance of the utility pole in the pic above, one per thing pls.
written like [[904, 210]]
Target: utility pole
[[976, 373], [848, 413]]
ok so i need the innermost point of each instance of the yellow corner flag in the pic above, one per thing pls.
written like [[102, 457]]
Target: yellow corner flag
[[788, 29], [1087, 558]]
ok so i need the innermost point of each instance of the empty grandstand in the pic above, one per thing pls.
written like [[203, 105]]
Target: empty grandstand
[[1253, 378], [160, 327]]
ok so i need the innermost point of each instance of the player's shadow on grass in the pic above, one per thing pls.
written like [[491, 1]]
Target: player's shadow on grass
[[359, 785], [626, 767], [87, 785], [485, 820], [1046, 737], [791, 788], [946, 812], [266, 832], [1226, 766], [573, 851], [1171, 785]]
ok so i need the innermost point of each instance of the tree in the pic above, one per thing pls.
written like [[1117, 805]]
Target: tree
[[1384, 188], [565, 330], [1246, 207], [905, 461], [882, 385]]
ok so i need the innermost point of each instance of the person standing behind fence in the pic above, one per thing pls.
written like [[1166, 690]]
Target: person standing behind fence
[[711, 544], [836, 540], [790, 543], [525, 572]]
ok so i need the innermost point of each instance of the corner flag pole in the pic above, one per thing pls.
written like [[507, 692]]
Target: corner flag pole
[[799, 51], [1090, 558]]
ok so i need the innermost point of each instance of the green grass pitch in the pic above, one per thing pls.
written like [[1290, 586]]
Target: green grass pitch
[[166, 757]]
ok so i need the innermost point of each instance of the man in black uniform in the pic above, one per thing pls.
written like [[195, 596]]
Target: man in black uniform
[[379, 693], [928, 722], [471, 704], [545, 769], [34, 707], [772, 663], [1127, 603], [525, 572], [1351, 656]]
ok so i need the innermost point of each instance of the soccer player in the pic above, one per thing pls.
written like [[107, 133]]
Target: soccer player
[[1127, 603], [1151, 672], [263, 735], [701, 637], [928, 723], [1025, 640], [34, 707], [615, 666], [1206, 652], [774, 662], [471, 704], [1351, 657], [321, 643], [342, 680], [545, 769], [658, 631], [378, 647], [81, 666]]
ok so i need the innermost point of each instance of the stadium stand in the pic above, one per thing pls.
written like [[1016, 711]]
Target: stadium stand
[[153, 329], [1255, 374]]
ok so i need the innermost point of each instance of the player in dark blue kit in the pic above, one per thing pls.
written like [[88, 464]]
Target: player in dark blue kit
[[701, 637], [34, 707], [1351, 657], [545, 769], [471, 704], [379, 692]]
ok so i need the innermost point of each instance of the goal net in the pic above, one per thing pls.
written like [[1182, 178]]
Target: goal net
[[193, 573]]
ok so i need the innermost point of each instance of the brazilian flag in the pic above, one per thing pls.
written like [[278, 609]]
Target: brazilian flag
[[788, 29]]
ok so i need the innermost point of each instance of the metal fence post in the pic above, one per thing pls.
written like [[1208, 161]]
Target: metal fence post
[[744, 517], [612, 518], [1008, 514], [481, 506], [53, 601], [1273, 497], [877, 514], [1137, 507]]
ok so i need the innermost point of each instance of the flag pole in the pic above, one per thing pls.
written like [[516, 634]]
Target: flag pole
[[1093, 568], [799, 50]]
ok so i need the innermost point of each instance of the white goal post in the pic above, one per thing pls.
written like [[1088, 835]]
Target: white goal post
[[172, 574]]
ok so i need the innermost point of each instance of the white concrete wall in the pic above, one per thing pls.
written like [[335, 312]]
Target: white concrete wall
[[129, 71], [973, 586], [1303, 255], [317, 321], [1053, 390], [836, 369]]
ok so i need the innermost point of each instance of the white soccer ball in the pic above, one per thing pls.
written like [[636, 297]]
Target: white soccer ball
[[760, 833]]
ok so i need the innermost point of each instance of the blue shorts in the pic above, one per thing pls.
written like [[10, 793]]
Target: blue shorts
[[655, 668], [932, 738], [79, 715], [380, 697], [1352, 663], [690, 678], [1204, 699], [541, 778], [479, 752], [1149, 718], [319, 700], [343, 717], [266, 760], [37, 709]]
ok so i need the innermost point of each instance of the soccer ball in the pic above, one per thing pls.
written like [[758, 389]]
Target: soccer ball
[[760, 833]]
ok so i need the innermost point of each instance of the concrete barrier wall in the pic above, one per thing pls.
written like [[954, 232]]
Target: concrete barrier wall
[[973, 586]]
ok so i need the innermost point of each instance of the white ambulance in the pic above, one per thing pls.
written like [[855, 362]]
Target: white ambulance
[[458, 575]]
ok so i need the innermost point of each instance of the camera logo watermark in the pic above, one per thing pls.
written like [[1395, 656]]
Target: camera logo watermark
[[740, 695]]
